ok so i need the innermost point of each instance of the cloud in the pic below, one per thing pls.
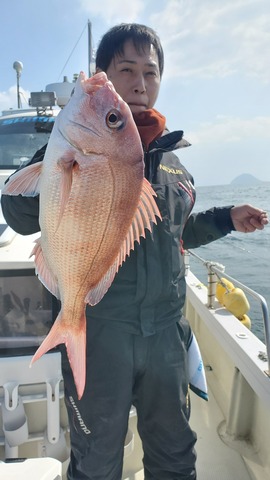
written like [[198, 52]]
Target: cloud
[[202, 39], [113, 11], [8, 99], [215, 38], [228, 129]]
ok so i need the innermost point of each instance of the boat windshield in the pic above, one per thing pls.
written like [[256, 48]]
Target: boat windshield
[[21, 137]]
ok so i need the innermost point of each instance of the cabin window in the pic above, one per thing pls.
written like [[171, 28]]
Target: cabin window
[[27, 311]]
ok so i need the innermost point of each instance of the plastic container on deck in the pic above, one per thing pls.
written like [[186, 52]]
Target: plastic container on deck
[[31, 469]]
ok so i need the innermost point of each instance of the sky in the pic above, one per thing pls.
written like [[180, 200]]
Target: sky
[[216, 84]]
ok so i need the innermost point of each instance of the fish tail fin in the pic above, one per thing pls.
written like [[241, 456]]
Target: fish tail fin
[[75, 342]]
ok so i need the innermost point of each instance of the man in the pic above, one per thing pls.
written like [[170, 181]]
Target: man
[[137, 339]]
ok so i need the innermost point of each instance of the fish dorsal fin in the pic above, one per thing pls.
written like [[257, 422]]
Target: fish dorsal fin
[[25, 182], [42, 270], [144, 217]]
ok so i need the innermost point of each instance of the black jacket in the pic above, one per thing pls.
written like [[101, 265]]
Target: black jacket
[[148, 292]]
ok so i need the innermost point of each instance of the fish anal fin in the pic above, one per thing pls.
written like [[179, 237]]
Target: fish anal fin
[[97, 293], [25, 182], [74, 339], [42, 270]]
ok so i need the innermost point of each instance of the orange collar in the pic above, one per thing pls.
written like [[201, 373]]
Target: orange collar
[[150, 124]]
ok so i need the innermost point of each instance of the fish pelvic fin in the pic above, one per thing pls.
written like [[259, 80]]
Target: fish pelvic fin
[[42, 270], [25, 182], [145, 215], [74, 339]]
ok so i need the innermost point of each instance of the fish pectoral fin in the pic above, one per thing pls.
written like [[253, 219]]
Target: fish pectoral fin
[[42, 270], [75, 340], [25, 182], [144, 217], [67, 165]]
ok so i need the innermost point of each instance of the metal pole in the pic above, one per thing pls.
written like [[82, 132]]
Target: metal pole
[[18, 90], [89, 47], [18, 66]]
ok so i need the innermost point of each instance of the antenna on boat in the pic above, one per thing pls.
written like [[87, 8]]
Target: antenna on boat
[[91, 54]]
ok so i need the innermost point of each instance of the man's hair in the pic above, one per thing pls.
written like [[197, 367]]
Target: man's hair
[[112, 43]]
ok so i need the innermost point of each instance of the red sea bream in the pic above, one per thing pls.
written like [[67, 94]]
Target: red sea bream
[[94, 204]]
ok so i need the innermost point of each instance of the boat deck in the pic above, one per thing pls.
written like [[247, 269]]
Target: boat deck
[[215, 459]]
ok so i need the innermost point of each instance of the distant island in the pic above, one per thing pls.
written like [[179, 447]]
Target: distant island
[[246, 179]]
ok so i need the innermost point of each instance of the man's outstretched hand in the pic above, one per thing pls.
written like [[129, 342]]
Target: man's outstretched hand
[[247, 218]]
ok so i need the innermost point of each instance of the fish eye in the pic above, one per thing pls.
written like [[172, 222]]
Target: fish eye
[[114, 119]]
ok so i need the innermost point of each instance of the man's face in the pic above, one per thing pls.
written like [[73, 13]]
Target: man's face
[[136, 77]]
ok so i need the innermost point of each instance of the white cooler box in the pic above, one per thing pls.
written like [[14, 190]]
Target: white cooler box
[[31, 469]]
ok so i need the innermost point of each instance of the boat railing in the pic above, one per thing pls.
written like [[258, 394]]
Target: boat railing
[[214, 273]]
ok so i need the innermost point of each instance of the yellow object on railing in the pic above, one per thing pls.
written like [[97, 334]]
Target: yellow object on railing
[[234, 300], [245, 320], [223, 286]]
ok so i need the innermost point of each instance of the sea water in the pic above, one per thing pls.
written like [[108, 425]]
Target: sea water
[[245, 256]]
